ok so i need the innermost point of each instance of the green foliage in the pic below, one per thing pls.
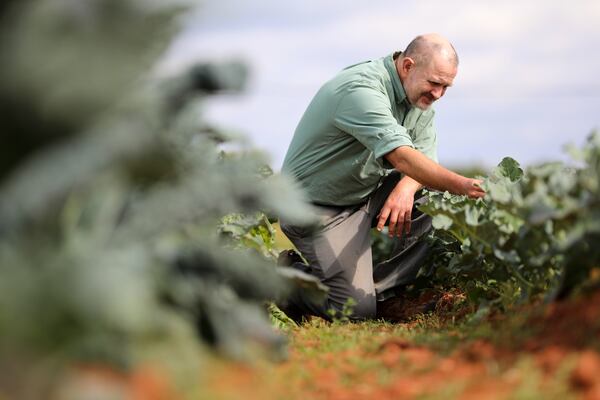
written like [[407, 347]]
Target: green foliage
[[279, 319], [64, 63], [253, 231], [531, 234], [345, 314], [113, 188]]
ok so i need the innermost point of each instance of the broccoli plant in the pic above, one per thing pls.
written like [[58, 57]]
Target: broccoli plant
[[112, 186], [534, 232]]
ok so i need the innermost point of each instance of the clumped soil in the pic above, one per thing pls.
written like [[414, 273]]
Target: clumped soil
[[544, 351]]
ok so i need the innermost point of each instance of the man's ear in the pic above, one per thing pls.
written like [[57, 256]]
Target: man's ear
[[407, 63]]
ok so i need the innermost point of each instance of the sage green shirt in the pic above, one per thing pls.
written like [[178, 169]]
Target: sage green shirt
[[355, 119]]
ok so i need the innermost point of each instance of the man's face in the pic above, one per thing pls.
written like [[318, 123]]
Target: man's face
[[424, 84]]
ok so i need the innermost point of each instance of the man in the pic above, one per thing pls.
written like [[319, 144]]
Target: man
[[362, 150]]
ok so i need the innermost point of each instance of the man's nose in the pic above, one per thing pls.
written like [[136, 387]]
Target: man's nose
[[437, 92]]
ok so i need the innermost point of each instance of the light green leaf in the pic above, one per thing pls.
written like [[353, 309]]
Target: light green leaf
[[442, 221], [472, 215], [498, 191]]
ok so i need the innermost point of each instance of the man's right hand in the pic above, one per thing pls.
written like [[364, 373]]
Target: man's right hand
[[472, 188]]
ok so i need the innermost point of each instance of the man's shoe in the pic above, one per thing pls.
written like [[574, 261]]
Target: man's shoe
[[288, 257], [291, 258]]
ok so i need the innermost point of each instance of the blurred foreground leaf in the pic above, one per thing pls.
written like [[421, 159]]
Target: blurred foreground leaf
[[111, 190]]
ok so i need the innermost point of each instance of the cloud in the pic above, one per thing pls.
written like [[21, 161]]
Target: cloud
[[522, 63]]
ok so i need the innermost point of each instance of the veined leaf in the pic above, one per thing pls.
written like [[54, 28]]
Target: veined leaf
[[509, 168]]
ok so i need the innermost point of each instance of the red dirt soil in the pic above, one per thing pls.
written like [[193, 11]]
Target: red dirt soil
[[565, 337]]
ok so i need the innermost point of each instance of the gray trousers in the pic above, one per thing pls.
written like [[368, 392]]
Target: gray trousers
[[339, 253]]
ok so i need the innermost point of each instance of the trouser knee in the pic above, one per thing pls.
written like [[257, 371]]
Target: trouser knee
[[365, 309]]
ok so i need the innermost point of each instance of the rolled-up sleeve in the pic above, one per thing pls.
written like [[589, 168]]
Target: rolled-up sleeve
[[365, 113]]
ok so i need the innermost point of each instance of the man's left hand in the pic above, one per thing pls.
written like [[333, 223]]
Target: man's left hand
[[398, 208]]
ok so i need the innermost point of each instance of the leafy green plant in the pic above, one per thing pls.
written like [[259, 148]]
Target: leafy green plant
[[112, 189], [532, 234], [254, 231]]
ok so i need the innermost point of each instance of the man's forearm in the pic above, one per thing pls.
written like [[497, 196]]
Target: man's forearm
[[416, 165]]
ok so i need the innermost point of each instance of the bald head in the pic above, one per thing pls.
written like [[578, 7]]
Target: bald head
[[426, 69], [424, 48]]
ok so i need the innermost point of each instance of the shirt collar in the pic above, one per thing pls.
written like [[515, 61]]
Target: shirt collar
[[399, 93]]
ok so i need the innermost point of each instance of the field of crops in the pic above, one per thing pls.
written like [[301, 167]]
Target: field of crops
[[510, 309], [139, 245]]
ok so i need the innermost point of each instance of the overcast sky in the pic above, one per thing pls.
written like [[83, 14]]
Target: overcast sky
[[528, 81]]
